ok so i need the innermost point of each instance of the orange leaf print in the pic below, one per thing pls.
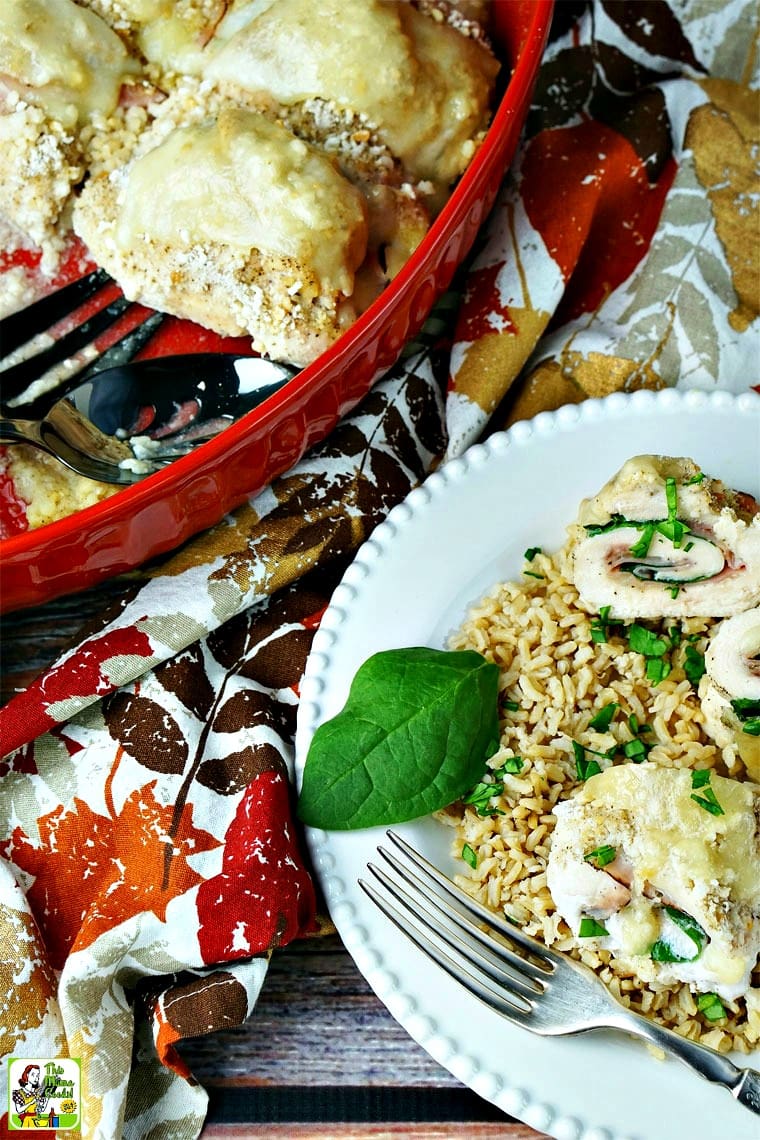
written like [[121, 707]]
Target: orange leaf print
[[92, 872], [586, 191]]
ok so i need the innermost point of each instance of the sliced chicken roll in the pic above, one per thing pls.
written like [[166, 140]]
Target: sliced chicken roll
[[659, 866], [730, 688], [662, 539]]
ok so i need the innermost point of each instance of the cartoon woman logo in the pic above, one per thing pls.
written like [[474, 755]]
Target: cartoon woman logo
[[30, 1099]]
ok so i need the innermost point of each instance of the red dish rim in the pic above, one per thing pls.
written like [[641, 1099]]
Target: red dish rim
[[477, 187]]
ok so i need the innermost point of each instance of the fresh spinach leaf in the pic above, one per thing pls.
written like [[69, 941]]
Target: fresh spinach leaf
[[413, 736]]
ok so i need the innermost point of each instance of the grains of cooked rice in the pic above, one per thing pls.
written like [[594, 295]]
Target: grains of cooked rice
[[554, 679]]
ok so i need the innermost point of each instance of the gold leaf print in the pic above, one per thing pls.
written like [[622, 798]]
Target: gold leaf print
[[723, 136], [23, 1006], [230, 537], [551, 384], [492, 362]]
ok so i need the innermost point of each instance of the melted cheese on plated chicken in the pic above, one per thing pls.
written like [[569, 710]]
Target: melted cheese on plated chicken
[[662, 539], [62, 58], [730, 688], [672, 862]]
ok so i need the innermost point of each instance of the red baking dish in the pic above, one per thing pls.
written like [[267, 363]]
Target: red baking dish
[[196, 491]]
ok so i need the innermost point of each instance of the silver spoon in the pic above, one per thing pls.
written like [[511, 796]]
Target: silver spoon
[[124, 423]]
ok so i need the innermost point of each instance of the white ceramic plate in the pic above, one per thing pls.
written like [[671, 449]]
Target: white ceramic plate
[[411, 584]]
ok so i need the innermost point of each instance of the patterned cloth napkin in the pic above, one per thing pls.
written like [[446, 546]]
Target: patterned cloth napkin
[[150, 862]]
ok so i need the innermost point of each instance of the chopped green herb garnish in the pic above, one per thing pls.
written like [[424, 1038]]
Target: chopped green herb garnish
[[746, 708], [689, 546], [481, 795], [511, 706], [700, 777], [657, 669], [709, 801], [640, 548], [601, 856], [636, 727], [671, 497], [600, 625], [469, 856], [674, 591], [636, 750], [662, 951], [752, 726], [590, 928], [643, 640], [602, 528], [695, 479], [584, 767], [531, 553], [531, 574], [512, 765], [711, 1006], [694, 664], [603, 719]]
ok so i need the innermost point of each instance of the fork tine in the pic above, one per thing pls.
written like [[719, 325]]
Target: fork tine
[[119, 353], [549, 958], [496, 999], [18, 328], [16, 378], [501, 965], [525, 966]]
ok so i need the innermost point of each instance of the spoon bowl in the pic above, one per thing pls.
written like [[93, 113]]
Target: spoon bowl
[[123, 423]]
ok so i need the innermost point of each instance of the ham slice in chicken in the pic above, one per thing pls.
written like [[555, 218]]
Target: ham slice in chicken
[[639, 865], [662, 539]]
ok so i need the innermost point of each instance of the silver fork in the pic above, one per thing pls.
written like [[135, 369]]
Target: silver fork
[[88, 409], [526, 982], [50, 338]]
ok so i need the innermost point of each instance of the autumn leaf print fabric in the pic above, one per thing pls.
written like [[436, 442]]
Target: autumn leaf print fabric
[[149, 859]]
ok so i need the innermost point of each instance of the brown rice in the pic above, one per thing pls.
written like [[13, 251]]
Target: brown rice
[[559, 677]]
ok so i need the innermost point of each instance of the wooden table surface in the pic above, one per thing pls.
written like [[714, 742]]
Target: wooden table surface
[[320, 1057]]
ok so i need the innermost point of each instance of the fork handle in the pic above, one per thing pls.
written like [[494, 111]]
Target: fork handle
[[743, 1084]]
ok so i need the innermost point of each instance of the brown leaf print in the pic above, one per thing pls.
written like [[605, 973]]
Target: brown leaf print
[[563, 88], [228, 775], [185, 676], [279, 664], [623, 74], [325, 535], [205, 1005], [243, 709], [651, 25], [230, 642], [643, 120], [146, 732]]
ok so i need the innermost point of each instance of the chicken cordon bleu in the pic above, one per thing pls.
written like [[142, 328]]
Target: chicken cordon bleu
[[261, 168]]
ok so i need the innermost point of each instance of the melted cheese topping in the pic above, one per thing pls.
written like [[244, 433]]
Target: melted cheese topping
[[424, 86], [678, 843], [64, 58], [668, 850], [247, 182]]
